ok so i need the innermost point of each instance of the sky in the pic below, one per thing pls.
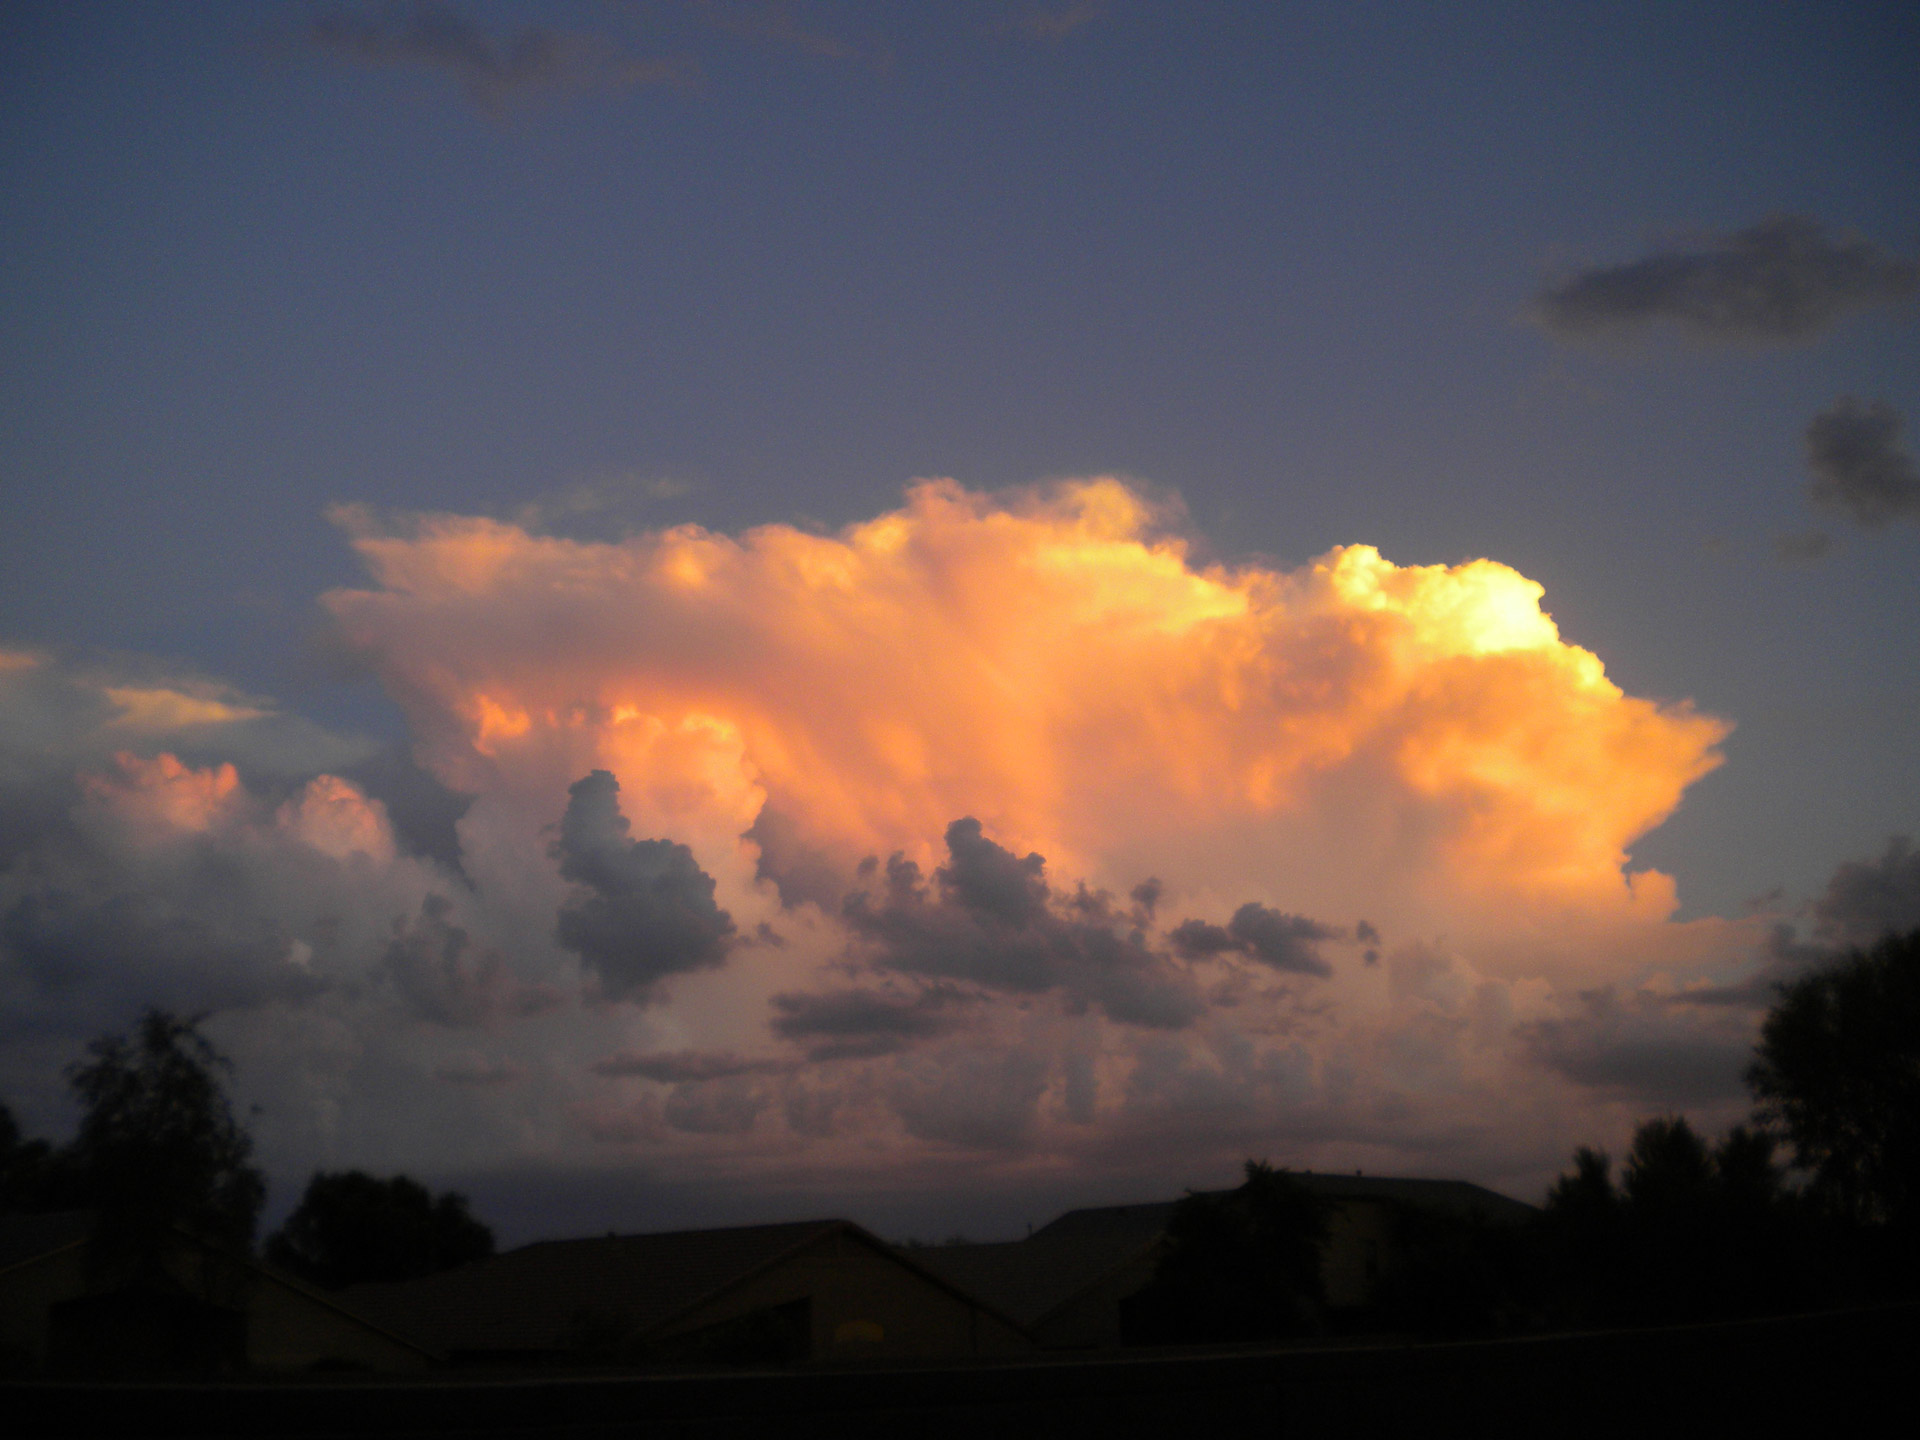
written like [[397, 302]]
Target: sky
[[704, 611]]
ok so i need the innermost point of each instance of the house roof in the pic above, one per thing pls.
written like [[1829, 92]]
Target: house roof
[[29, 1237], [1030, 1279], [539, 1297], [1460, 1199]]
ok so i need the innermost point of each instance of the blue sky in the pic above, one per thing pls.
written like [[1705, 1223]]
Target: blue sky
[[739, 264]]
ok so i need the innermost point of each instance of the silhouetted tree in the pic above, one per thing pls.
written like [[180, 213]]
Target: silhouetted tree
[[1691, 1231], [351, 1226], [158, 1145], [24, 1167], [1837, 1070], [1240, 1266]]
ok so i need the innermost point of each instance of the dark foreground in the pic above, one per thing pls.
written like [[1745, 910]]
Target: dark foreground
[[1832, 1370]]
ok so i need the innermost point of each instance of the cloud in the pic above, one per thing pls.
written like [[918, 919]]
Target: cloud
[[643, 909], [1866, 899], [774, 22], [679, 1066], [1860, 467], [493, 71], [443, 976], [1003, 991], [1052, 663], [717, 1107], [991, 919], [1049, 23], [1286, 942], [1781, 280], [1643, 1048], [848, 1024]]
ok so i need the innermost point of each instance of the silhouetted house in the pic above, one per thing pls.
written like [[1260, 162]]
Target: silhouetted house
[[184, 1306], [1066, 1291], [1067, 1281], [818, 1290]]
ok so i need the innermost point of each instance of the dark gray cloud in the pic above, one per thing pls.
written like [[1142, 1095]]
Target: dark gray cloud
[[795, 868], [855, 1024], [442, 975], [1781, 280], [1273, 937], [1646, 1048], [990, 918], [1860, 467], [644, 909], [1865, 899], [479, 1072], [491, 70], [716, 1107], [97, 943], [979, 1099], [677, 1067]]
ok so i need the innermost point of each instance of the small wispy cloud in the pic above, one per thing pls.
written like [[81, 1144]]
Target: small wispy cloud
[[1860, 465], [778, 23], [1057, 22], [492, 70], [1782, 280]]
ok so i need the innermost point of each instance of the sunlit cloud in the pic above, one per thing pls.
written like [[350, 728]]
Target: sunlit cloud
[[998, 824]]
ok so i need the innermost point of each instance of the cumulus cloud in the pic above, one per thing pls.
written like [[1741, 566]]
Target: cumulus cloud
[[1860, 467], [1783, 279], [443, 975], [991, 918], [493, 71], [1286, 942], [1417, 744], [643, 909], [1052, 663]]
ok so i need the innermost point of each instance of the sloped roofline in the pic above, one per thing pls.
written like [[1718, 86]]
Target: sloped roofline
[[823, 1230]]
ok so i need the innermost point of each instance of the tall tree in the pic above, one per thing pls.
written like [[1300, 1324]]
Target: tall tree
[[1240, 1266], [351, 1226], [1837, 1070], [158, 1144]]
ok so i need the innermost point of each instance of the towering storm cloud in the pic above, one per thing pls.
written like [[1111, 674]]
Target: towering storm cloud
[[997, 825], [1051, 663]]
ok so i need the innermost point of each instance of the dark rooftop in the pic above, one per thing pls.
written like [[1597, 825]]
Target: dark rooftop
[[538, 1297]]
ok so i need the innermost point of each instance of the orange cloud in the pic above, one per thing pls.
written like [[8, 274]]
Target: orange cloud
[[1053, 661]]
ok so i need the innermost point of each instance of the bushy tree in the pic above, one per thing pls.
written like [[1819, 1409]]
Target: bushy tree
[[1691, 1230], [1240, 1266], [351, 1226], [1837, 1071], [158, 1144], [24, 1166]]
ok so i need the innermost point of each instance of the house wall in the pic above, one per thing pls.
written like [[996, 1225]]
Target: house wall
[[865, 1305], [290, 1330], [1357, 1252], [285, 1329], [27, 1292], [1092, 1318]]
